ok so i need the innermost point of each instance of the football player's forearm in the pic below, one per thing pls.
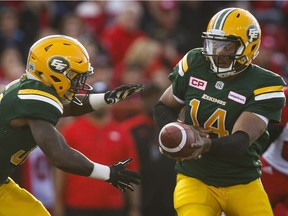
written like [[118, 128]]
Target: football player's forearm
[[72, 161], [62, 156], [73, 109], [274, 131], [164, 115], [231, 146], [91, 103]]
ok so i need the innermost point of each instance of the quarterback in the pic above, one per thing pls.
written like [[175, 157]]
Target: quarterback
[[223, 92], [53, 86]]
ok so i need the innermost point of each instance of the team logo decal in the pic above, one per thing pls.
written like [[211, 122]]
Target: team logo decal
[[197, 83], [253, 33], [219, 85], [58, 64]]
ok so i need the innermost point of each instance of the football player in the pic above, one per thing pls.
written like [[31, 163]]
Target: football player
[[275, 164], [222, 91], [53, 86]]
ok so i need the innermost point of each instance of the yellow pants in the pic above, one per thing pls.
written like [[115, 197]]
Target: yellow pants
[[16, 201], [194, 198]]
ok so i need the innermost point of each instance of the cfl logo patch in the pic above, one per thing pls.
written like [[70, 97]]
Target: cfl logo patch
[[219, 85], [253, 33], [58, 64], [31, 67]]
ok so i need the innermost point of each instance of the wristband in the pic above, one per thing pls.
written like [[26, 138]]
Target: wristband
[[100, 172], [97, 101]]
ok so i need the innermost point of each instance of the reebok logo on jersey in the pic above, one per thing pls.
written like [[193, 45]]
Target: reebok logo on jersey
[[197, 83], [237, 97]]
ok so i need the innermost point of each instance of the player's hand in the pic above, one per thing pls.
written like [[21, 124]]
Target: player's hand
[[201, 145], [122, 92], [122, 178], [202, 132]]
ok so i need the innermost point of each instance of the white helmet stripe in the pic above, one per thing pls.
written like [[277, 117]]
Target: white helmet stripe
[[220, 20]]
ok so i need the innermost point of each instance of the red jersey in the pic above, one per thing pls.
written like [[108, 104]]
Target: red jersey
[[117, 40], [105, 145], [275, 167]]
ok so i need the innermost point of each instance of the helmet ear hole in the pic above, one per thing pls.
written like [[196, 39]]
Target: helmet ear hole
[[40, 73], [48, 47], [253, 47], [55, 79]]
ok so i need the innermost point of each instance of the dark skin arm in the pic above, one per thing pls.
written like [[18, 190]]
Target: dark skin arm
[[54, 146], [73, 109], [203, 144], [67, 159], [111, 97]]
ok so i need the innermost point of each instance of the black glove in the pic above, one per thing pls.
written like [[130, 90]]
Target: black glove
[[122, 92], [121, 178]]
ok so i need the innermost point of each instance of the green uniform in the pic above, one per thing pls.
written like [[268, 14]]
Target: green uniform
[[214, 103], [23, 99]]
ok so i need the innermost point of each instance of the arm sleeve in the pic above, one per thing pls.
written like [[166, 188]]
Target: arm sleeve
[[232, 146], [163, 115]]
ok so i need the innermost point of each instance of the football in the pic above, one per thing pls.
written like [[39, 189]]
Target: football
[[175, 139]]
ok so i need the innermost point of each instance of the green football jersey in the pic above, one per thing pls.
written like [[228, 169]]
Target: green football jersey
[[23, 98], [214, 103]]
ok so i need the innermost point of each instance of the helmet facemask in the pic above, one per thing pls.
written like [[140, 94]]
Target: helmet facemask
[[223, 53], [78, 86], [233, 34]]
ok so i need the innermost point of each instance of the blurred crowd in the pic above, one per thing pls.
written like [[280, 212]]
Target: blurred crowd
[[128, 42], [133, 41]]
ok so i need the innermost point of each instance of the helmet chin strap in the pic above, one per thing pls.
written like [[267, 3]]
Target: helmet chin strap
[[222, 72], [226, 72], [229, 74], [45, 79], [73, 99], [77, 101]]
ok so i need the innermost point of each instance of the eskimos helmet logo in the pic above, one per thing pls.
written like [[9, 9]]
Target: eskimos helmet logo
[[58, 64], [252, 33]]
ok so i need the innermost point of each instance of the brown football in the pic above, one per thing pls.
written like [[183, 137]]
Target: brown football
[[175, 139]]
